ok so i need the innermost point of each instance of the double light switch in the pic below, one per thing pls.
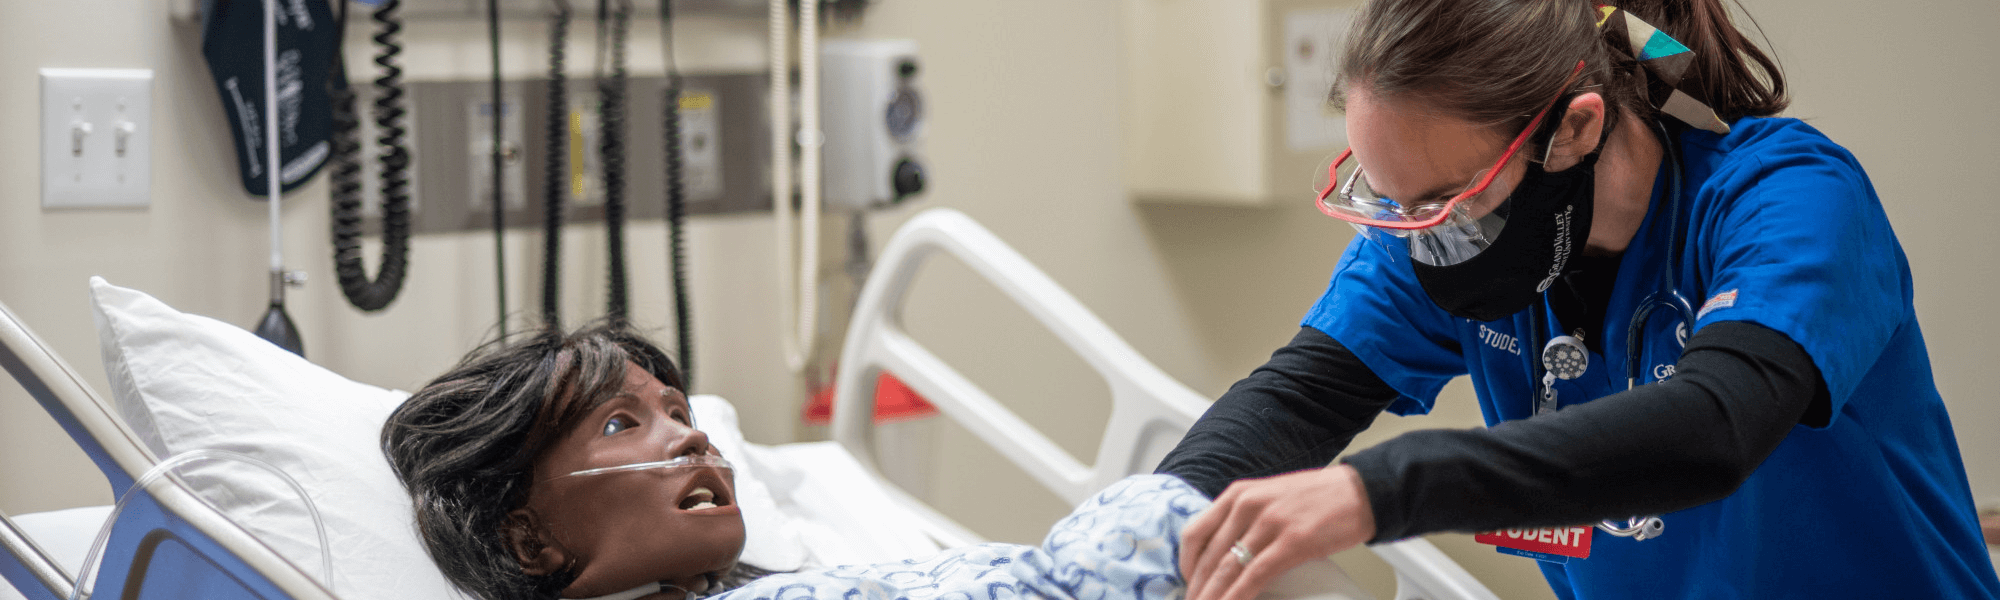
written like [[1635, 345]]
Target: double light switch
[[96, 137]]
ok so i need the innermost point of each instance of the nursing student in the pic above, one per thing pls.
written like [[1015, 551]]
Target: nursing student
[[1688, 322]]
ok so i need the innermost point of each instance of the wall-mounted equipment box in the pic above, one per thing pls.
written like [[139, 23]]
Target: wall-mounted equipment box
[[1226, 100], [871, 110]]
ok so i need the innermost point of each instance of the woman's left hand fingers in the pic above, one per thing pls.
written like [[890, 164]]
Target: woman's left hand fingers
[[1228, 518], [1282, 522]]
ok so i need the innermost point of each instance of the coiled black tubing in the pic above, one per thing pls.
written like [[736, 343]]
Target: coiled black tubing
[[555, 172], [676, 204], [611, 151], [345, 177], [499, 165]]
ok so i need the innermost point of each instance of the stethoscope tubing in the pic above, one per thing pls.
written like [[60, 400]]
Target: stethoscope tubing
[[1637, 527]]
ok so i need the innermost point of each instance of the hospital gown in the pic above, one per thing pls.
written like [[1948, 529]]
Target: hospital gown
[[1122, 544]]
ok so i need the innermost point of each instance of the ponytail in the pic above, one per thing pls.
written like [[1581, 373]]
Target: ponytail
[[1730, 73]]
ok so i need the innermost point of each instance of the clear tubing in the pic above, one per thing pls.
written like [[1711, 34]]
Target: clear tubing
[[699, 460], [166, 467], [271, 166]]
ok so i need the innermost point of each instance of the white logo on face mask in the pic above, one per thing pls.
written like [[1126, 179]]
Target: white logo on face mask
[[1562, 249]]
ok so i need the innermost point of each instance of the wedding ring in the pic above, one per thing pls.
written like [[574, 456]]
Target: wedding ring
[[1241, 553]]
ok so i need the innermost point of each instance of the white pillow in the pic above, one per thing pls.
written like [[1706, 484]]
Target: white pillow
[[186, 382]]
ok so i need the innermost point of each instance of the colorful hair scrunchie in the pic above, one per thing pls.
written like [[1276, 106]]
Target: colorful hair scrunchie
[[1667, 59]]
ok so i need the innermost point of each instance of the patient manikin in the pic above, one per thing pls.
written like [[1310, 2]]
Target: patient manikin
[[569, 465], [632, 494]]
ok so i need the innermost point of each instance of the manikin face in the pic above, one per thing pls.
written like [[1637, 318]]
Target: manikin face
[[623, 530]]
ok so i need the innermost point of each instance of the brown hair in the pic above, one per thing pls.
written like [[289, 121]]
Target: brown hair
[[1498, 62]]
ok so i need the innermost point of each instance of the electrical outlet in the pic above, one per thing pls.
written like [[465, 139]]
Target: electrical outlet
[[97, 132]]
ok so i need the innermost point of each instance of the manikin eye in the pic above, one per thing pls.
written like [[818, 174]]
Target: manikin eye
[[617, 424]]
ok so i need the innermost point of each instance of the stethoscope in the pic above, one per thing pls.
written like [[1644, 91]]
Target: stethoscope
[[1565, 357]]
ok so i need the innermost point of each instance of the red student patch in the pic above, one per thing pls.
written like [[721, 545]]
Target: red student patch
[[1553, 544]]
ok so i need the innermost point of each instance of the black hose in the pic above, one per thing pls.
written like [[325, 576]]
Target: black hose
[[499, 167], [611, 150], [555, 175], [345, 177], [676, 204]]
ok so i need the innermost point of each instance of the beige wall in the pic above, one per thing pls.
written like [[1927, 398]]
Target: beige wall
[[1025, 125]]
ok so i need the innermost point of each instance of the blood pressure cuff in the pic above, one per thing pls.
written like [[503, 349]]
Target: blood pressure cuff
[[232, 43]]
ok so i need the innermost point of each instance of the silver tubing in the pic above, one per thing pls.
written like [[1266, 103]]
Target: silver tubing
[[272, 169]]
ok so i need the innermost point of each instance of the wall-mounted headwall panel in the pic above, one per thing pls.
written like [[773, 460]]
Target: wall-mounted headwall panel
[[724, 141]]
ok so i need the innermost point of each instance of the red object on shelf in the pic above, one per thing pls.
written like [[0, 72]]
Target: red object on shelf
[[894, 402]]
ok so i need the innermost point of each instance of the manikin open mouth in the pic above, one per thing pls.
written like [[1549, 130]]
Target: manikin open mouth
[[704, 495], [701, 498]]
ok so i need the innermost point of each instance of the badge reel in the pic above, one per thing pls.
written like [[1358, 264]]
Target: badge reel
[[1564, 358]]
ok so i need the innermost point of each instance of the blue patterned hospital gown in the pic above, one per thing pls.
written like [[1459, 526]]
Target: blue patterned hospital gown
[[1122, 544]]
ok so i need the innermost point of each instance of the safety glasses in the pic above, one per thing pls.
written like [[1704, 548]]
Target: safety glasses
[[1347, 197]]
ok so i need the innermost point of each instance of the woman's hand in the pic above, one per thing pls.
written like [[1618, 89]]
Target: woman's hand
[[1281, 521]]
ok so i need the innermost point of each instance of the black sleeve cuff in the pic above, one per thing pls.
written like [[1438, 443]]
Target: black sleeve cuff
[[1296, 412]]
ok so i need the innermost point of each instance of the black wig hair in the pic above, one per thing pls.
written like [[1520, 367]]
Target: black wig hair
[[465, 445]]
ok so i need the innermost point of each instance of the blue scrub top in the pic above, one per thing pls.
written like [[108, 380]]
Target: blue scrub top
[[1783, 229]]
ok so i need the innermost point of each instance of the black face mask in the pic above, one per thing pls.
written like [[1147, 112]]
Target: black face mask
[[1547, 222]]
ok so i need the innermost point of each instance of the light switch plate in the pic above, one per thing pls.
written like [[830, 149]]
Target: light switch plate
[[97, 132]]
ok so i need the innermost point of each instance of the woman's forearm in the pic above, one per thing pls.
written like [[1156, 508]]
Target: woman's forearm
[[1657, 448]]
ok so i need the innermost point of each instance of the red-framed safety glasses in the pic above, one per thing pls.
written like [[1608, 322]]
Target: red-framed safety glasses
[[1371, 210]]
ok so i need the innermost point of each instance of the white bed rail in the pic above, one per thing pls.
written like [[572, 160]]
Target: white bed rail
[[1150, 410], [167, 529], [1147, 404]]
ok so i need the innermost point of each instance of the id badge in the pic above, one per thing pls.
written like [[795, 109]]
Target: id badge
[[1549, 544]]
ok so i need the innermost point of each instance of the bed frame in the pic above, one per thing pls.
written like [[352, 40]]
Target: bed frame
[[167, 543]]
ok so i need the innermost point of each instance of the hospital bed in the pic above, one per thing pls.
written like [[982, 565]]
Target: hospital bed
[[169, 543]]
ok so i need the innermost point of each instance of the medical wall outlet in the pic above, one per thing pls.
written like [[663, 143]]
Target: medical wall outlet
[[97, 132], [479, 153], [871, 117]]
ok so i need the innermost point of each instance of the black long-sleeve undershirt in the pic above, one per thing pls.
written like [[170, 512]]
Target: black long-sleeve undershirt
[[1738, 390]]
